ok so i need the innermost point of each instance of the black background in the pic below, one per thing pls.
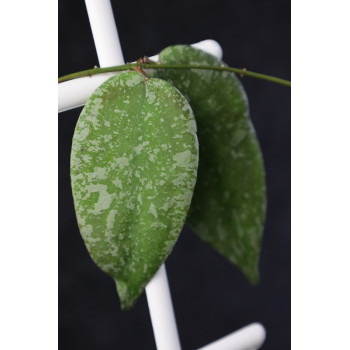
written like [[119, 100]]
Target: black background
[[211, 297]]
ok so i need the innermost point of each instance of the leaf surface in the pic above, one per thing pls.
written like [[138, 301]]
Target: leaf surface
[[134, 163], [229, 203]]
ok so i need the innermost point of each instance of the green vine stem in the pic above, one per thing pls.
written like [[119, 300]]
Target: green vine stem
[[146, 65]]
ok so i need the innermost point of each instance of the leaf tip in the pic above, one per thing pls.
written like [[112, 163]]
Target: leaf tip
[[126, 296], [251, 273]]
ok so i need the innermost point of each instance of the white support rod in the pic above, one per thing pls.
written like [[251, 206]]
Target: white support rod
[[161, 312], [104, 31], [250, 337], [74, 93], [158, 293]]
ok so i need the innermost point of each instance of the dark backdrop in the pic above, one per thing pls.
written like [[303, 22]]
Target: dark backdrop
[[211, 297]]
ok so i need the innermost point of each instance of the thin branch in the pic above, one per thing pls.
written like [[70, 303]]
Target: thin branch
[[131, 66]]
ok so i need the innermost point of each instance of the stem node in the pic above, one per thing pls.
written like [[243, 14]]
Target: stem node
[[243, 72]]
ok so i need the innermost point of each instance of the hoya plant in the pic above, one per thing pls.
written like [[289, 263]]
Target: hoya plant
[[155, 147], [167, 143]]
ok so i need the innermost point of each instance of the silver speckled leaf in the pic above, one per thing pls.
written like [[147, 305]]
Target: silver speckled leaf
[[133, 170], [229, 202]]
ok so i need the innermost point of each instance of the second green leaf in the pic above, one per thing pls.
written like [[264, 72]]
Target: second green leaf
[[229, 202]]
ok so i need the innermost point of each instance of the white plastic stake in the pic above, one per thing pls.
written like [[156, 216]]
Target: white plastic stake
[[105, 32], [161, 311], [250, 337], [110, 54], [74, 93]]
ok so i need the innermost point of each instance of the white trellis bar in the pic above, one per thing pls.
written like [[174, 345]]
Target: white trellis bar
[[161, 311], [75, 93], [250, 337]]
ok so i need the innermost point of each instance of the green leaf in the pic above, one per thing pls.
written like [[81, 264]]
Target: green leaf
[[228, 207], [133, 169]]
